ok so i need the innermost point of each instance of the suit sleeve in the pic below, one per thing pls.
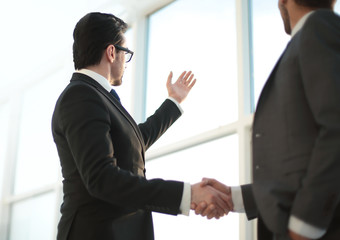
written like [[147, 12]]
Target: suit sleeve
[[249, 201], [85, 123], [157, 124], [319, 60]]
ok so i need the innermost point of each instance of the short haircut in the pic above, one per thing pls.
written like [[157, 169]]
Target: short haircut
[[315, 3], [92, 34]]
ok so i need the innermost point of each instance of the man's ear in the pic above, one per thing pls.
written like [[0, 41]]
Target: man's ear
[[110, 53]]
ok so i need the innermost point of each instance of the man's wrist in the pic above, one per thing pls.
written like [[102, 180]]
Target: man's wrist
[[177, 104], [236, 196]]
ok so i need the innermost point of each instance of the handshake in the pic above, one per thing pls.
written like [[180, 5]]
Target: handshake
[[211, 198]]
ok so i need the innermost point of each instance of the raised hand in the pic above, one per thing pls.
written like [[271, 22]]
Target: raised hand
[[181, 88], [210, 201], [206, 209]]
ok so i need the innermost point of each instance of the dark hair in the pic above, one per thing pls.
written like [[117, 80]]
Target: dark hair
[[315, 3], [92, 34]]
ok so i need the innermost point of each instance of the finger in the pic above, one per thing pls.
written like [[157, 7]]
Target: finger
[[192, 84], [214, 214], [190, 77], [222, 202], [226, 212], [219, 186], [218, 216], [226, 200], [200, 208], [220, 211], [210, 216], [180, 78], [210, 211], [168, 82], [189, 80], [187, 76], [229, 201], [207, 181], [204, 182], [193, 206]]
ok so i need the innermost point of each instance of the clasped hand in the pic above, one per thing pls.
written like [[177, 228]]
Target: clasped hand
[[211, 198]]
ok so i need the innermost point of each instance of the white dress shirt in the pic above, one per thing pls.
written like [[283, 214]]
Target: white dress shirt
[[186, 196]]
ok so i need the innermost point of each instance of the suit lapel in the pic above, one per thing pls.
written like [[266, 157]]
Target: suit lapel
[[115, 102], [268, 83]]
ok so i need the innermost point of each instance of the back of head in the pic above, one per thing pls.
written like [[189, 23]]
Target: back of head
[[316, 4], [92, 34]]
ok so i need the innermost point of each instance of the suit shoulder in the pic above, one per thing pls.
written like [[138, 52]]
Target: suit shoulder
[[324, 19], [321, 28], [78, 90], [325, 13]]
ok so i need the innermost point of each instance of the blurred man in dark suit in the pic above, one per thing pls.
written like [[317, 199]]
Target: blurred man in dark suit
[[296, 133]]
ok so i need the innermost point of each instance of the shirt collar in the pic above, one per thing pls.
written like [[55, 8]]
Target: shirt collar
[[97, 77], [300, 23]]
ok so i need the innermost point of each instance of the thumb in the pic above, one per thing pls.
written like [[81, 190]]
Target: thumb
[[205, 182], [169, 79]]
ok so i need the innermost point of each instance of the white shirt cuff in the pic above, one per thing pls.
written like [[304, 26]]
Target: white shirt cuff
[[304, 229], [236, 196], [186, 200], [177, 104]]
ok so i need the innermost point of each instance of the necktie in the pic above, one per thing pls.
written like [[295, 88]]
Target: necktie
[[115, 95]]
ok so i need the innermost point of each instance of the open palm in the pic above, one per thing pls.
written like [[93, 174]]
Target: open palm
[[180, 89]]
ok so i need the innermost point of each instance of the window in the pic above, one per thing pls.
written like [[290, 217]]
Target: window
[[211, 139], [269, 41], [217, 159], [4, 126], [198, 36], [125, 90], [337, 7], [37, 153], [34, 217]]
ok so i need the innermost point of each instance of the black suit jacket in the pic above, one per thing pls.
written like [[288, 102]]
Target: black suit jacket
[[296, 132], [101, 152]]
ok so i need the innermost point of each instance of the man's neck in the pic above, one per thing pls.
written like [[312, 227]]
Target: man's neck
[[97, 77], [100, 70], [296, 12]]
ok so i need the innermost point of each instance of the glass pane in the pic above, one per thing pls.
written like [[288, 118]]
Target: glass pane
[[125, 90], [4, 124], [198, 36], [269, 41], [33, 219], [337, 7], [37, 153], [217, 159]]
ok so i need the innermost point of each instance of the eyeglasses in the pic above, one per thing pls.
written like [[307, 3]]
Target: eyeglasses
[[128, 53]]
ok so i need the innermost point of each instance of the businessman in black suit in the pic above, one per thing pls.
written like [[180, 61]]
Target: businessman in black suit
[[101, 148], [296, 133]]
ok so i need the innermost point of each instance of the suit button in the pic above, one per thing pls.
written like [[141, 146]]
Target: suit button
[[257, 167], [257, 135]]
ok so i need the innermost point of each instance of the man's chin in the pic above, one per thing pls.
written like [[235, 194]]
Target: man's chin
[[116, 83]]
